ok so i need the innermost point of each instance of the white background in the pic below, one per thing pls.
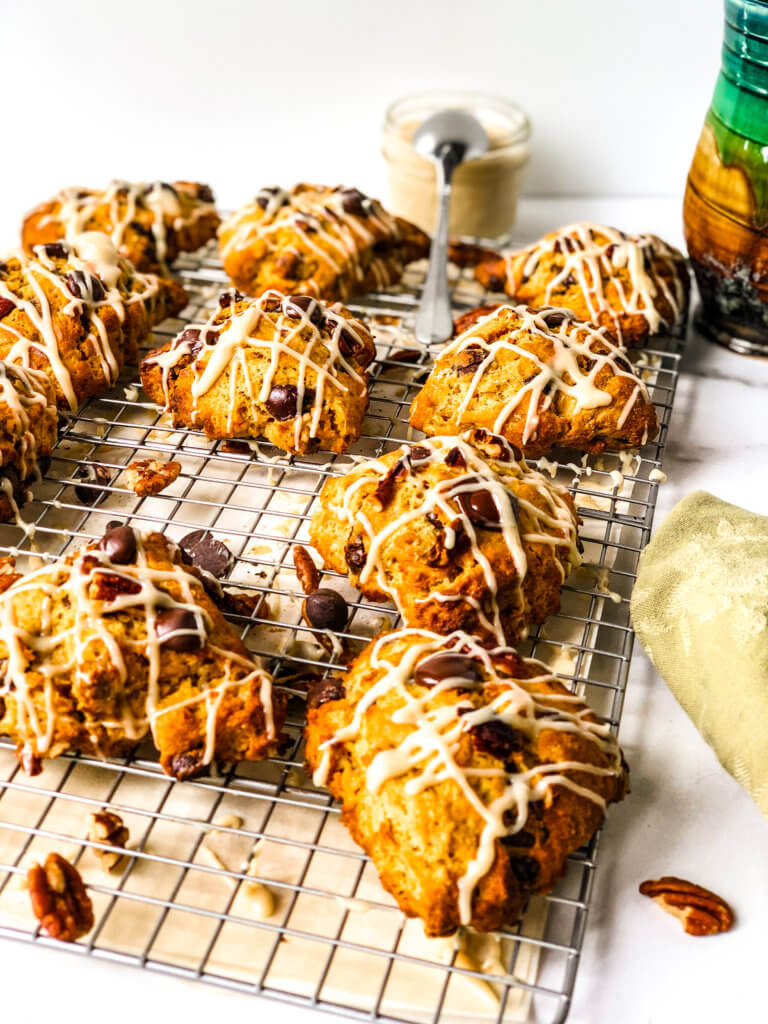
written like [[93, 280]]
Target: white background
[[241, 94]]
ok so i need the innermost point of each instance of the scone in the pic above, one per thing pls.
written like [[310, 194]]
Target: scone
[[149, 223], [455, 532], [287, 368], [540, 378], [28, 426], [633, 285], [78, 311], [330, 242], [120, 639], [467, 774]]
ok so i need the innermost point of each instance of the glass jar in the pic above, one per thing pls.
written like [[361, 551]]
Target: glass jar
[[485, 191], [725, 211]]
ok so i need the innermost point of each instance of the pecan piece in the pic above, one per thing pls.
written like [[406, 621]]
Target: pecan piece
[[701, 911], [306, 570], [59, 899], [355, 554], [150, 476], [386, 486], [108, 828]]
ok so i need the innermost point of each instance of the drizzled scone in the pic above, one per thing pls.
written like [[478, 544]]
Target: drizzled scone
[[284, 367], [149, 223], [121, 639], [455, 532], [633, 285], [329, 242], [467, 774], [540, 378], [78, 311], [28, 426]]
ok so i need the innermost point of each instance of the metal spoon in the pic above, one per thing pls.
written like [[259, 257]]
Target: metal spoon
[[447, 138]]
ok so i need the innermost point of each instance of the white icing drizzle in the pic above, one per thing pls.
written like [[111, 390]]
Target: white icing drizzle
[[593, 263], [314, 213], [521, 521], [21, 389], [49, 658], [427, 756], [573, 343], [274, 324]]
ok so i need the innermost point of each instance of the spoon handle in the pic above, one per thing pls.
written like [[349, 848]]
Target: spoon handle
[[434, 322]]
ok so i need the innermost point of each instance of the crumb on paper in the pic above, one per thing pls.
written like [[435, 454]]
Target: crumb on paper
[[150, 476]]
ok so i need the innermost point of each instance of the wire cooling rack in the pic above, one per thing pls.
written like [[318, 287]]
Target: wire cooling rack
[[205, 855]]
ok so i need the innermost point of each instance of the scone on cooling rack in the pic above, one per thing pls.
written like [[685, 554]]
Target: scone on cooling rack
[[120, 639], [329, 242], [467, 774], [540, 378], [455, 532], [78, 311], [28, 427], [150, 223], [287, 368], [633, 285]]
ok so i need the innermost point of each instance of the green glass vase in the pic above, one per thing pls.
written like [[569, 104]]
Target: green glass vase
[[725, 211]]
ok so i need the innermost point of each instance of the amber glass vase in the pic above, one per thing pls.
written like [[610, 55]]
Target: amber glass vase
[[725, 211]]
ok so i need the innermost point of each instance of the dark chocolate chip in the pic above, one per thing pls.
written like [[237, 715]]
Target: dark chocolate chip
[[229, 298], [355, 554], [85, 286], [56, 250], [308, 224], [568, 282], [406, 355], [419, 453], [307, 304], [282, 400], [5, 307], [205, 194], [523, 840], [187, 765], [525, 869], [326, 609], [178, 629], [495, 283], [98, 475], [267, 194], [469, 359], [480, 508], [326, 691], [445, 665], [497, 739], [555, 317], [455, 458], [205, 552], [349, 343], [119, 543], [353, 201]]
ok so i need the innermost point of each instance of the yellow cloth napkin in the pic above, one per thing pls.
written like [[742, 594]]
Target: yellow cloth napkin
[[700, 609]]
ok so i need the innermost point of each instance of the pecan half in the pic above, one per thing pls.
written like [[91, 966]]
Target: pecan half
[[386, 486], [59, 899], [701, 911], [108, 828], [306, 570], [150, 476]]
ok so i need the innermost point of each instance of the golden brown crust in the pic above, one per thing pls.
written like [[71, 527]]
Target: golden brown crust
[[426, 559], [287, 351], [633, 285], [421, 838], [330, 242], [207, 701], [538, 377], [150, 224]]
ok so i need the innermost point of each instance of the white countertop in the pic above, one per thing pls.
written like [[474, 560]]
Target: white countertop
[[685, 815]]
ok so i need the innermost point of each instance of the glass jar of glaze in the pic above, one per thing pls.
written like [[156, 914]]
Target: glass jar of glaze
[[485, 191], [725, 210]]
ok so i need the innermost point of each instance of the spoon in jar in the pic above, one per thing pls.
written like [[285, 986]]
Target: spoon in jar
[[447, 138]]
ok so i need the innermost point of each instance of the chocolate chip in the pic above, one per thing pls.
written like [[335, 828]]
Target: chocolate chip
[[190, 337], [568, 282], [98, 475], [56, 250], [406, 355], [326, 609], [419, 453], [5, 307], [495, 283], [445, 665], [187, 765], [555, 317], [480, 508], [267, 195], [178, 630], [119, 543], [307, 304], [355, 554], [525, 869], [207, 553], [308, 224], [325, 691], [205, 194], [230, 298], [523, 840], [287, 265], [85, 286], [353, 201], [497, 739], [455, 458], [282, 400], [469, 359]]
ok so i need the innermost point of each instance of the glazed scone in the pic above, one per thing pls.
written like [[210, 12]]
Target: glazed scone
[[540, 378], [330, 242], [78, 311], [287, 368], [455, 532], [120, 639], [467, 774], [149, 223], [28, 427], [633, 285]]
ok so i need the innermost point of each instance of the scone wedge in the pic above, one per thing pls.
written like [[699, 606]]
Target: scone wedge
[[468, 774]]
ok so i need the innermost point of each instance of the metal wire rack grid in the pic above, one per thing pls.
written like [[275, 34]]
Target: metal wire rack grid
[[334, 939]]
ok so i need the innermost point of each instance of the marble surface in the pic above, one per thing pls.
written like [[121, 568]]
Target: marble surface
[[685, 815]]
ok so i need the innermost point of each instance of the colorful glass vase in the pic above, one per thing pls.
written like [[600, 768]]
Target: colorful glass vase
[[725, 211]]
